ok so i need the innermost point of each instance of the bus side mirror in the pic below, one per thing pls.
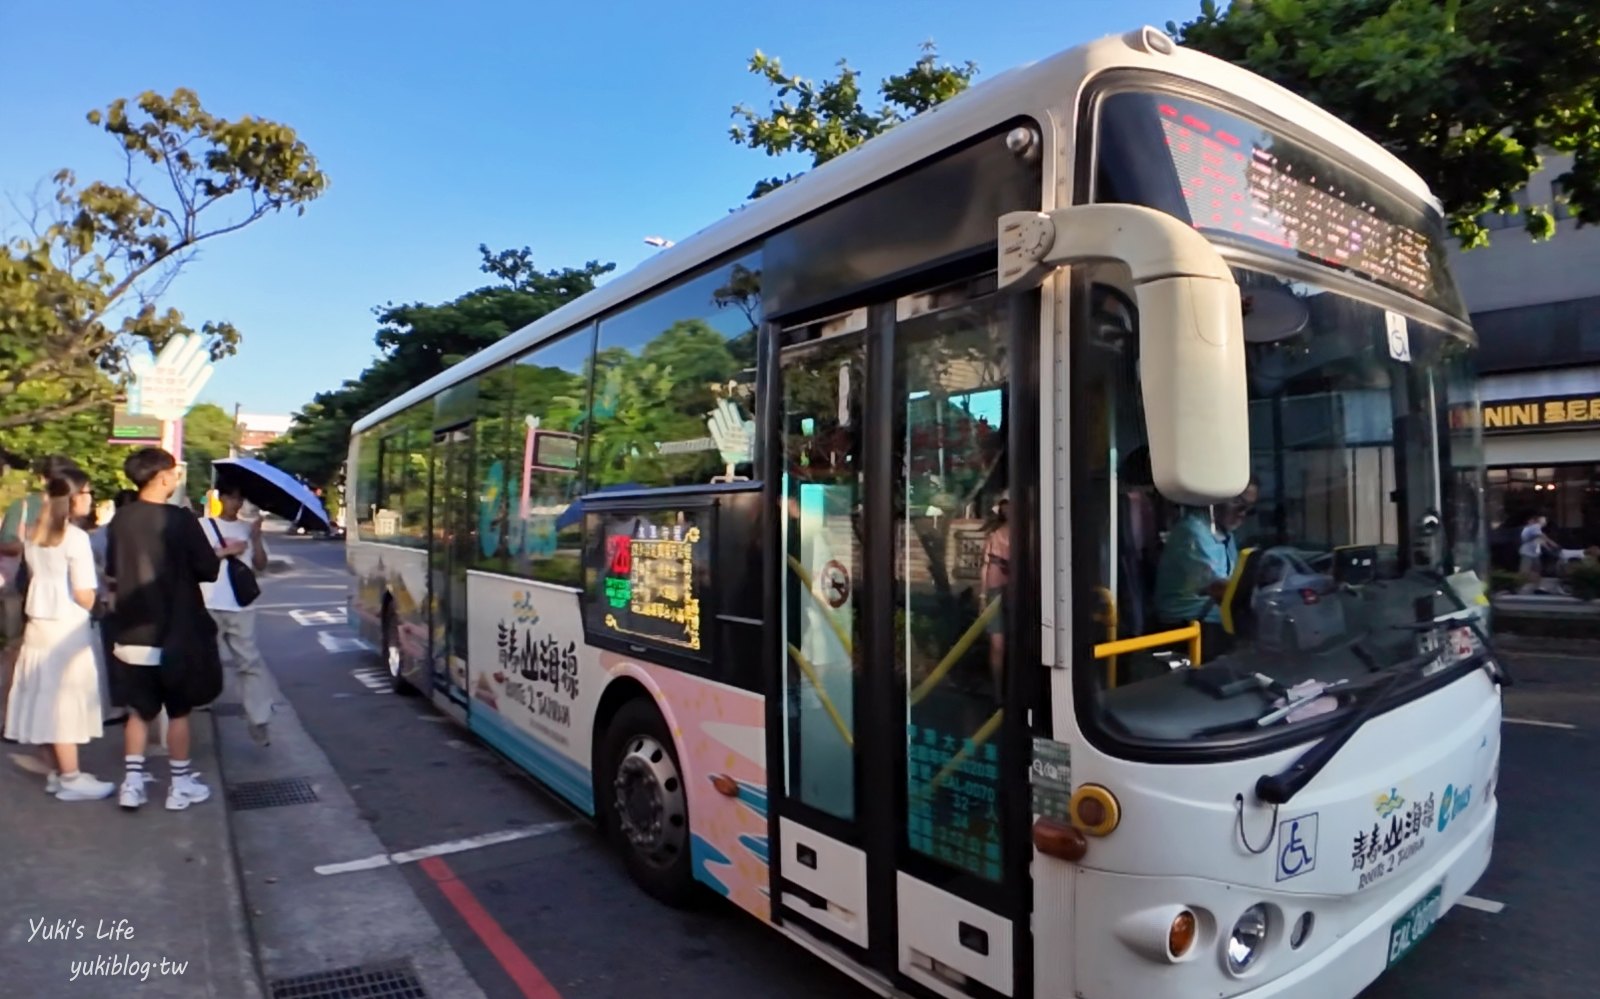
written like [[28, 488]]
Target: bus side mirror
[[1191, 335]]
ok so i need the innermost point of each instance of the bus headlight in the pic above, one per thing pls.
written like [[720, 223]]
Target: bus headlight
[[1248, 938]]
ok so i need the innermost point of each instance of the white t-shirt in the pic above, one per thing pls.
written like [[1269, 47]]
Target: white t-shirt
[[219, 595], [56, 572]]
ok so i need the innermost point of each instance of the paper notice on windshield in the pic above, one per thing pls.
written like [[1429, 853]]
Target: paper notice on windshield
[[1399, 337]]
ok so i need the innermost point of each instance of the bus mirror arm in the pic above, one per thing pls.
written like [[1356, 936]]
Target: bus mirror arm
[[1191, 336]]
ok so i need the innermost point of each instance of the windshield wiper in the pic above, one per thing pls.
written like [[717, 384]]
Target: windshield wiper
[[1277, 789]]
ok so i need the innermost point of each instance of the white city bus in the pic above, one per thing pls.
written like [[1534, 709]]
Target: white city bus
[[1034, 554]]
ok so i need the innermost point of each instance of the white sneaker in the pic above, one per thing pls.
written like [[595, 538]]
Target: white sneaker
[[83, 786], [133, 794], [186, 790], [52, 782]]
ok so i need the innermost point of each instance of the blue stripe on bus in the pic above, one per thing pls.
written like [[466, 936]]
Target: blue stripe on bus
[[757, 845], [565, 777], [702, 853]]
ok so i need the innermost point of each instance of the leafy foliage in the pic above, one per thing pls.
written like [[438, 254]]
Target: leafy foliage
[[81, 289], [1465, 92], [81, 436], [207, 435], [416, 342], [828, 120]]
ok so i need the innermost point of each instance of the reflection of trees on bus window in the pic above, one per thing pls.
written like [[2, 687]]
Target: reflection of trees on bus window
[[545, 535], [674, 394]]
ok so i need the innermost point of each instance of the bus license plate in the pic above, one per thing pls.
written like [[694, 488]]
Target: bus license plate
[[1415, 924]]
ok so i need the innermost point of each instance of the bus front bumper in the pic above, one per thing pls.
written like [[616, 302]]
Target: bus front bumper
[[1347, 949]]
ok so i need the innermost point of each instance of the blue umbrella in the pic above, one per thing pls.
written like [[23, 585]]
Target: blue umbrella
[[272, 489]]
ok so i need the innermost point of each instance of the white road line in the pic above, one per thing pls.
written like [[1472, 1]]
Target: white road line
[[1481, 904], [439, 849], [293, 607], [1535, 721], [434, 718], [319, 618], [336, 643]]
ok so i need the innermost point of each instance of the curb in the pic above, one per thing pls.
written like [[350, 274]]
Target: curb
[[256, 989]]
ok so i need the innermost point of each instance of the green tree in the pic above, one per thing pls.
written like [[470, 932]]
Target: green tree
[[1465, 92], [416, 342], [826, 120], [81, 288], [207, 436], [83, 436]]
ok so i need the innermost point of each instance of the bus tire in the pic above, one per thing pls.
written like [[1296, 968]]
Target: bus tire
[[644, 804]]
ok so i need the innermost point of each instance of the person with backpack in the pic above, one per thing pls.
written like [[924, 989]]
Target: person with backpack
[[229, 600]]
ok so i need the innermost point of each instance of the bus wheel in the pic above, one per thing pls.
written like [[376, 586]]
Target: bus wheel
[[644, 807]]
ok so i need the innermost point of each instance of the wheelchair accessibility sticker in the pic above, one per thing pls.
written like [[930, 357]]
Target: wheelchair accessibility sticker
[[1297, 846]]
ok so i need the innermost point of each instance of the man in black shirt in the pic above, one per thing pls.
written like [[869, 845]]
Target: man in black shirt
[[164, 642]]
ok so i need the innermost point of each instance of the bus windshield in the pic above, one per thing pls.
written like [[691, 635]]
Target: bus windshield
[[1360, 522]]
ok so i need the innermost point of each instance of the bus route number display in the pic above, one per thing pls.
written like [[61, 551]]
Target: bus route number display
[[650, 564]]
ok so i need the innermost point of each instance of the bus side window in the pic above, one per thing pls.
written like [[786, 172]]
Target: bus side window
[[675, 377]]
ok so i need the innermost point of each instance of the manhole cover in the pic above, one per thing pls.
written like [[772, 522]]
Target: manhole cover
[[230, 709], [271, 794], [395, 981]]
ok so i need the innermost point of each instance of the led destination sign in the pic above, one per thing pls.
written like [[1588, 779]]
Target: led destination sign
[[646, 571], [1234, 177]]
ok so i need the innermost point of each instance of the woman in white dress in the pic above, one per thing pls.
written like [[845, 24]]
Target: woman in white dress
[[55, 690]]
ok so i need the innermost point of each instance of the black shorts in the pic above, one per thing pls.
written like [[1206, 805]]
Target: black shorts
[[145, 690]]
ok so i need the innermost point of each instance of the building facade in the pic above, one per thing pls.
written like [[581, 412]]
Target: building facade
[[1536, 307], [256, 430]]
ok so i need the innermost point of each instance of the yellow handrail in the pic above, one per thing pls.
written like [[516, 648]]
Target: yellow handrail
[[827, 612], [822, 695], [958, 650], [979, 737], [1189, 633], [1110, 621]]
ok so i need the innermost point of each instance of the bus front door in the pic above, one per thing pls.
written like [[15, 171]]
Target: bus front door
[[891, 471], [451, 512]]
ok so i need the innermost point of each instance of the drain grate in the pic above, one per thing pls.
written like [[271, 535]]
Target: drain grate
[[271, 793], [230, 709], [390, 981]]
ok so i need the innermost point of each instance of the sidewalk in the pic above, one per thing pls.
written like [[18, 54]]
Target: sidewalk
[[144, 903], [1546, 615]]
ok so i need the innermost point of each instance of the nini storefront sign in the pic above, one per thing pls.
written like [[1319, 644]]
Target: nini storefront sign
[[1566, 412]]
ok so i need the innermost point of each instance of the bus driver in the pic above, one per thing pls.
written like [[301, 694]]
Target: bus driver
[[1200, 555]]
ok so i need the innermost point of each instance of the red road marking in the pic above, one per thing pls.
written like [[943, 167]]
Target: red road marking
[[529, 979]]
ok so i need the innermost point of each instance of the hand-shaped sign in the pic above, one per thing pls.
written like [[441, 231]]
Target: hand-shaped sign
[[165, 386], [731, 432]]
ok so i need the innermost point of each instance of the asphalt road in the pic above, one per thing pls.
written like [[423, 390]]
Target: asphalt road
[[566, 901]]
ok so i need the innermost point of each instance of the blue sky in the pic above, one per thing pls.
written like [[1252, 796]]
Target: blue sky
[[576, 131]]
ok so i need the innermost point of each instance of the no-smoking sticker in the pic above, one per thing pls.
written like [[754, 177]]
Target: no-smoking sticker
[[835, 584]]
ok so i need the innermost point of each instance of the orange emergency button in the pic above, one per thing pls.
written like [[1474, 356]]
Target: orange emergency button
[[1094, 810]]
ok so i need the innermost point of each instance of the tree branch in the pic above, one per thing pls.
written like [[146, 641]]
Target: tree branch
[[48, 413]]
